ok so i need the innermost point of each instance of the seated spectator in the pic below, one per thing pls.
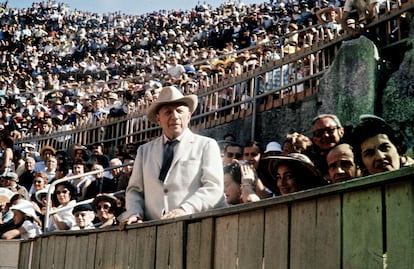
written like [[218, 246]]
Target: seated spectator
[[26, 179], [117, 173], [341, 164], [80, 152], [376, 146], [232, 151], [101, 184], [27, 224], [6, 215], [40, 182], [252, 155], [63, 196], [84, 217], [289, 174], [10, 180], [82, 182], [128, 162], [106, 209], [45, 153], [232, 183], [327, 132], [50, 169]]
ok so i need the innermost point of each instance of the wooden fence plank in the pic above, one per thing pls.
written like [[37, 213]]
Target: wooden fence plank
[[276, 237], [58, 249], [121, 250], [400, 225], [251, 236], [328, 232], [362, 229], [37, 251], [46, 261], [225, 251], [193, 243], [106, 243], [91, 250], [200, 242], [23, 256], [145, 248], [72, 251], [303, 231], [170, 246]]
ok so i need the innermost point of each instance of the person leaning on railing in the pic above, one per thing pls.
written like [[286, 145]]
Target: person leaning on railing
[[178, 173]]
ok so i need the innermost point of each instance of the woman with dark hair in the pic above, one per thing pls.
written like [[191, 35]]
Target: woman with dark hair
[[377, 147], [63, 196], [289, 174], [232, 183]]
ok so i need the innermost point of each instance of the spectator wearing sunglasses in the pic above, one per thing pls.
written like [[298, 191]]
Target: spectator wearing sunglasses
[[63, 196], [232, 151], [106, 209], [327, 132]]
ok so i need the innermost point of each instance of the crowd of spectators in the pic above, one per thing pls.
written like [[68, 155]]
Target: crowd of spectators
[[61, 67]]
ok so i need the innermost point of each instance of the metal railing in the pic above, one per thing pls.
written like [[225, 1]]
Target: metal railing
[[49, 211]]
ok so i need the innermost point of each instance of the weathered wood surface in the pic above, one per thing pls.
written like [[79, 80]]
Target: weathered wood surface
[[364, 223]]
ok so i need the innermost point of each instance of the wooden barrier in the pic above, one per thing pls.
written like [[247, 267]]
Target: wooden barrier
[[362, 223]]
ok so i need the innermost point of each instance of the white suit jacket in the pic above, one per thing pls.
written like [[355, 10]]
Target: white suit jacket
[[194, 181]]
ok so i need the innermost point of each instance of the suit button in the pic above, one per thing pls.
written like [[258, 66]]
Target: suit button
[[165, 190]]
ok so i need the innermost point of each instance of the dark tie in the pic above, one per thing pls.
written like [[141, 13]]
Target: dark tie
[[167, 159], [99, 186]]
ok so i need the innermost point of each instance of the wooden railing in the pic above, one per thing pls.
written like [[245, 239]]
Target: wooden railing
[[231, 98], [362, 223]]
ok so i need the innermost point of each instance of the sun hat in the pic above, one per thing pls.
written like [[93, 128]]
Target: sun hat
[[11, 176], [105, 197], [43, 192], [169, 95], [84, 150], [45, 148], [26, 207], [113, 95], [273, 147], [5, 195], [268, 166]]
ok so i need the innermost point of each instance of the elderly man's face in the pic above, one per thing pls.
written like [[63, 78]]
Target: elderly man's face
[[326, 133], [379, 154], [173, 119]]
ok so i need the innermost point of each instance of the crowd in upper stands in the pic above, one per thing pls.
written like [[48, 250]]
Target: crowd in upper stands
[[62, 68]]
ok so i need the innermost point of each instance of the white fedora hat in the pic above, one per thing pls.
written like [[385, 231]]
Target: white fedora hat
[[169, 95]]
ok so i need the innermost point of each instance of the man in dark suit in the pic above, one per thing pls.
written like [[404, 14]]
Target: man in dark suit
[[101, 184]]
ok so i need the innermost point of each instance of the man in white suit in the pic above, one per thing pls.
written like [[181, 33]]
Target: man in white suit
[[194, 181]]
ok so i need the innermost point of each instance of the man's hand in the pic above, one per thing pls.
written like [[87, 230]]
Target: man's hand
[[174, 213]]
